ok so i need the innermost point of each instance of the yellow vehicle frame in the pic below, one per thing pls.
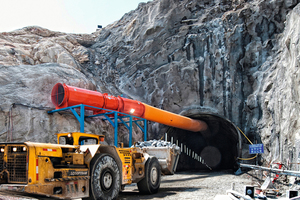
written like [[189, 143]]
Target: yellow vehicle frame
[[63, 171]]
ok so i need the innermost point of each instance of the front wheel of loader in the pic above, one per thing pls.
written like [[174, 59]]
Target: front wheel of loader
[[105, 178], [150, 184]]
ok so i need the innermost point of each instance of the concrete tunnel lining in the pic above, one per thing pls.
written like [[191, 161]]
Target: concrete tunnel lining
[[219, 147]]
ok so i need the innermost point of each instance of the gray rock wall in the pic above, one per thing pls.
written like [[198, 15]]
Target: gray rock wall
[[278, 97], [238, 59], [25, 99]]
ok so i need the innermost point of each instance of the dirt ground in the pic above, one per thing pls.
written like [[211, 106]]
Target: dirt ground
[[204, 185], [192, 185]]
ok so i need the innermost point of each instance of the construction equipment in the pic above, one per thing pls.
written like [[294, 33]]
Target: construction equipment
[[63, 95], [79, 166]]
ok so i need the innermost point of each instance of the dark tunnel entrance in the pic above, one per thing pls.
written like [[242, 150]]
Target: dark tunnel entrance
[[215, 149]]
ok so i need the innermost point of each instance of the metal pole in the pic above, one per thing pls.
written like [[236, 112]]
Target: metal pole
[[275, 171], [130, 131], [116, 129], [81, 118], [145, 130]]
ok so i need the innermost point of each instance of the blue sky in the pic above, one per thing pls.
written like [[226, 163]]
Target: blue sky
[[70, 16]]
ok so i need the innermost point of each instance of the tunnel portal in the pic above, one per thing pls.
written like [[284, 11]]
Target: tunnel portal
[[216, 148]]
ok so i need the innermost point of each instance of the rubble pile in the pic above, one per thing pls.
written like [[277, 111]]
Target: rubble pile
[[156, 143]]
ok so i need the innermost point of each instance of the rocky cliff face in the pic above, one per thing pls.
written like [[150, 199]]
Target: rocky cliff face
[[238, 59]]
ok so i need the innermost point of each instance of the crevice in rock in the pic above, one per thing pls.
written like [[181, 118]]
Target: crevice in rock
[[201, 81]]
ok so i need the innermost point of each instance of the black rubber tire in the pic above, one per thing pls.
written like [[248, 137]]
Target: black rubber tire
[[150, 184], [105, 178]]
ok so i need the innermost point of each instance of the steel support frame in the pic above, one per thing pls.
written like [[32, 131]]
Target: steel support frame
[[118, 118]]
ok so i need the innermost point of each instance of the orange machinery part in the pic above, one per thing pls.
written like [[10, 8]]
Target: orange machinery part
[[63, 96]]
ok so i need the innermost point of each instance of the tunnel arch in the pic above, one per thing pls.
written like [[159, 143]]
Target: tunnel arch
[[219, 147]]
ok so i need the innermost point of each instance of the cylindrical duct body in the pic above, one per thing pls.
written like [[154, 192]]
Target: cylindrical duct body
[[63, 96], [172, 119]]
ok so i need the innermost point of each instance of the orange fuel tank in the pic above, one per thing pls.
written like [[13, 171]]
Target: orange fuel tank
[[63, 96]]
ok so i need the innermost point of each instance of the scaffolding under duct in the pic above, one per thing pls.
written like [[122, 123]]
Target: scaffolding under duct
[[118, 118]]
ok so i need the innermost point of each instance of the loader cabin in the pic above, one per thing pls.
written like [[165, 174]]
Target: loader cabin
[[77, 138]]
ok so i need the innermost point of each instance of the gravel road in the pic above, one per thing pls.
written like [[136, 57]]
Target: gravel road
[[191, 185], [183, 185]]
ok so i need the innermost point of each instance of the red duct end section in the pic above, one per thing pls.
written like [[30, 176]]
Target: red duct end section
[[63, 96], [58, 95]]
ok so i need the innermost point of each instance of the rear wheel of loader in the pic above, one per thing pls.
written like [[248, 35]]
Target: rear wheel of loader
[[105, 178], [150, 184]]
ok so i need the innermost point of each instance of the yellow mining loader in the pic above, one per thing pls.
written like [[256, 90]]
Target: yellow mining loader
[[80, 166]]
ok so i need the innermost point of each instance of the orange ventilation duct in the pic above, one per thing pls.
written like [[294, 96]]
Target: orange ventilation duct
[[63, 96]]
